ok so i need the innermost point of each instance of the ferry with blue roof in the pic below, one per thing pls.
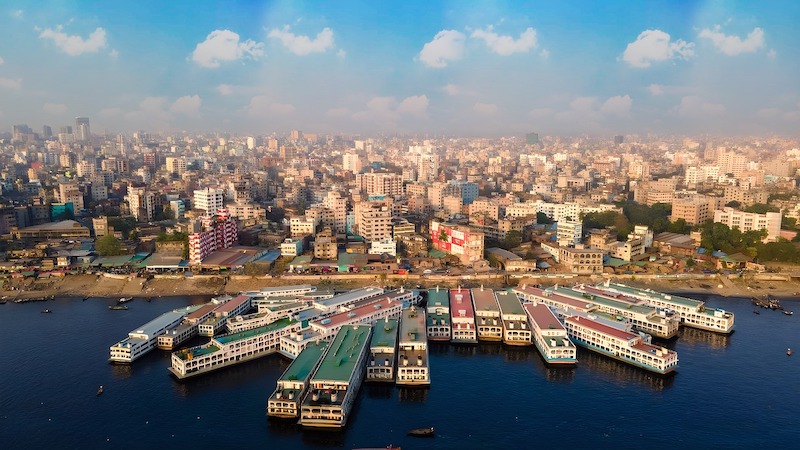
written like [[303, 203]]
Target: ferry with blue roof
[[293, 384], [145, 338], [229, 349], [334, 386]]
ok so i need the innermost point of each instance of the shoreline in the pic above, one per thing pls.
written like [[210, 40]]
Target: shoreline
[[105, 286]]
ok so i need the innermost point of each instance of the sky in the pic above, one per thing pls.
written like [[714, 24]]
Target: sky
[[411, 67]]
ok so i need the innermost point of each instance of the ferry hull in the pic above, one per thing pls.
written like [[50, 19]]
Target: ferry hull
[[243, 359], [595, 349]]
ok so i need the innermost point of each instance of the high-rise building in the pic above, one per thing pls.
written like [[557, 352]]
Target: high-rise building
[[569, 232], [427, 167], [175, 165], [745, 221], [380, 183], [82, 129], [373, 220], [47, 132], [351, 162], [619, 139], [209, 200], [218, 232]]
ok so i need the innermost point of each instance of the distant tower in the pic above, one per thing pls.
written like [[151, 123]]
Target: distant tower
[[532, 138], [619, 139], [82, 129], [47, 132]]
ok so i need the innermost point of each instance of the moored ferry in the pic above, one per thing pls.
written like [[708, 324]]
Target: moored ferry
[[335, 383], [145, 338], [624, 346], [487, 315], [383, 351], [549, 335], [438, 317], [230, 308], [293, 384], [413, 367], [693, 313], [228, 349], [265, 316], [515, 322], [377, 308], [462, 315]]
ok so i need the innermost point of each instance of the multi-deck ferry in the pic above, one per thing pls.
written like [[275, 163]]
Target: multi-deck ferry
[[373, 310], [229, 349], [334, 385], [487, 315], [383, 351], [145, 338], [232, 307], [624, 346], [412, 356], [266, 315], [438, 317], [175, 336], [515, 322], [693, 313], [549, 335], [293, 384], [463, 317]]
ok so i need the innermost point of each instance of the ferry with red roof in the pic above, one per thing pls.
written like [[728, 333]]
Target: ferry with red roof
[[463, 317], [630, 348], [549, 335]]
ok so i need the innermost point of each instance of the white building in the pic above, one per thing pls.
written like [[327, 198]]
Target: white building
[[387, 246], [569, 232], [209, 200], [292, 247], [745, 221]]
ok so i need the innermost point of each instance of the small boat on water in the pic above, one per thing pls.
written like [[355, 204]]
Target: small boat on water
[[100, 390], [788, 352], [46, 311], [755, 311], [124, 299], [421, 432], [788, 313], [118, 307]]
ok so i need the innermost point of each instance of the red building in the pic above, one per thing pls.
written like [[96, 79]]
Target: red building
[[464, 242]]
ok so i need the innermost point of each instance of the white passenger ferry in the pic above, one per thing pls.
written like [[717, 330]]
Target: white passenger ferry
[[515, 322], [265, 316], [145, 338], [549, 335], [621, 345], [438, 326], [693, 313], [487, 315], [334, 386], [229, 349], [412, 355], [293, 384]]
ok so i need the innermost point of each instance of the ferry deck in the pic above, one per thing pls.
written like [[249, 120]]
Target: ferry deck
[[292, 385], [487, 315], [383, 351]]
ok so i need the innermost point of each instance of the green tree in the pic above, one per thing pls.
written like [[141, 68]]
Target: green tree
[[543, 219], [678, 226], [761, 208], [734, 204], [512, 240], [108, 245]]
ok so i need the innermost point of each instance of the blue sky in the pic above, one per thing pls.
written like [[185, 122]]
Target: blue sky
[[459, 68]]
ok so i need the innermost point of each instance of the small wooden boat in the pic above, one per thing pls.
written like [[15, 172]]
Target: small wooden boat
[[788, 352], [788, 313], [421, 432], [118, 307], [100, 390], [46, 311], [124, 299], [755, 311]]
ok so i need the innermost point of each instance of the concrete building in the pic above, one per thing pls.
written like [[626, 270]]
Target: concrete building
[[373, 220], [390, 184], [388, 246], [292, 247], [581, 261], [325, 245], [569, 232], [745, 221], [219, 232], [694, 210], [175, 165], [464, 242], [209, 200]]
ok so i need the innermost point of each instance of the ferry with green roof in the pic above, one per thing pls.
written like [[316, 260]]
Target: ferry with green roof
[[693, 313], [438, 318], [334, 386], [383, 351], [293, 384], [229, 349], [515, 322]]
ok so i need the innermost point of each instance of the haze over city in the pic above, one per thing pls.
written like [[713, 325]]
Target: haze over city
[[442, 68]]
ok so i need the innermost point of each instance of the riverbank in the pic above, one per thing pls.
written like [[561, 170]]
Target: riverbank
[[105, 285]]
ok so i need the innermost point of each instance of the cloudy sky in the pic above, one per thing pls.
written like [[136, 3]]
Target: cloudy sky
[[457, 67]]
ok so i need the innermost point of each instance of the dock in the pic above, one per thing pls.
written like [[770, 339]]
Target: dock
[[145, 338], [335, 383], [383, 351], [413, 366], [293, 384]]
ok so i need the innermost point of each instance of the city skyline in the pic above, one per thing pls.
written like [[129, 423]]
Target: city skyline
[[450, 68]]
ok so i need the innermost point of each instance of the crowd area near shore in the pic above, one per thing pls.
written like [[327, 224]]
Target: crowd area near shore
[[99, 285]]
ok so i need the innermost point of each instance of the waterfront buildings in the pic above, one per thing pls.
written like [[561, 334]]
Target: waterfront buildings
[[463, 242], [744, 221], [219, 232]]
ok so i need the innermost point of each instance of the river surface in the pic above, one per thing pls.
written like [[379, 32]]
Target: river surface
[[738, 391]]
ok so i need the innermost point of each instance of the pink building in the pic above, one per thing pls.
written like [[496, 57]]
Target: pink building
[[219, 232]]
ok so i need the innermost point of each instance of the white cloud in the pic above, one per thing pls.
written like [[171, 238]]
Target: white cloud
[[619, 105], [75, 45], [263, 106], [18, 14], [545, 54], [416, 105], [224, 46], [656, 89], [54, 108], [303, 45], [1, 60], [655, 46], [451, 89], [113, 53], [484, 108], [225, 89], [7, 83], [341, 54], [281, 108], [771, 54], [188, 105], [734, 45], [695, 107], [446, 46], [506, 45]]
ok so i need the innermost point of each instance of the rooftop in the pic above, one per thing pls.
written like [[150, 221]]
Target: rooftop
[[301, 367], [384, 333], [601, 328], [541, 315], [339, 362], [160, 322], [485, 300], [241, 335], [412, 326], [438, 297], [509, 303]]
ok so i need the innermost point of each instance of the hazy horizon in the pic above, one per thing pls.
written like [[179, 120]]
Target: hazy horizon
[[419, 68]]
